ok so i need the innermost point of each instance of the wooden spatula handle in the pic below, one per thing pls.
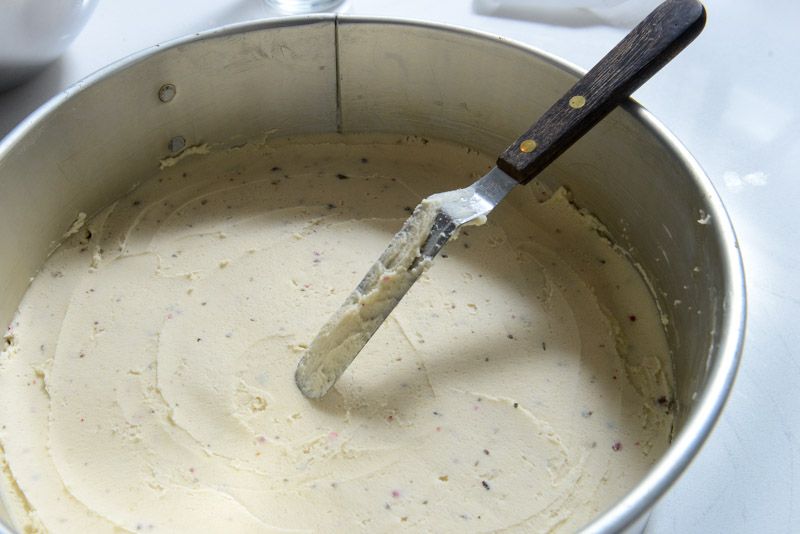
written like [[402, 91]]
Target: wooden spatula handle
[[648, 47]]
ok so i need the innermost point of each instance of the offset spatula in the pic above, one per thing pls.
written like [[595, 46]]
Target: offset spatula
[[648, 47]]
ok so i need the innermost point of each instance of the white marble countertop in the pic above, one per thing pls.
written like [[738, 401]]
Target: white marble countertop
[[729, 99]]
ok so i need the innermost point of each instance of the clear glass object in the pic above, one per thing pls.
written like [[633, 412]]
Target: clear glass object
[[291, 7]]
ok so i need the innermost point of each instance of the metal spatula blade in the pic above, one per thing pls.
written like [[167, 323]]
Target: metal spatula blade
[[647, 48], [427, 230]]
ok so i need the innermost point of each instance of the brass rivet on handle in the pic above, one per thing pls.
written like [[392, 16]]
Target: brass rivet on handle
[[577, 101], [528, 145]]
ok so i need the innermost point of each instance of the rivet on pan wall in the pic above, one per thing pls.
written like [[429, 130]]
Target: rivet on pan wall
[[176, 144], [167, 92]]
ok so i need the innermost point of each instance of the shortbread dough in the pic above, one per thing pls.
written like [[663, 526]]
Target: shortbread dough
[[147, 381]]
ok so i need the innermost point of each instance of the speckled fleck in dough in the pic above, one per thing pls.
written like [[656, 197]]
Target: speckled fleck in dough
[[147, 381]]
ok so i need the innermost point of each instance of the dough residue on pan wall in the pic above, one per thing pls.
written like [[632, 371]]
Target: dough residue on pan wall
[[146, 382]]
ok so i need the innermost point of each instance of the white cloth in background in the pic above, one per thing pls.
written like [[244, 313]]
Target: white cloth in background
[[617, 13]]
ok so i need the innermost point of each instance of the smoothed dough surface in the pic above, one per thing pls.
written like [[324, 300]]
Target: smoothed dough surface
[[147, 380]]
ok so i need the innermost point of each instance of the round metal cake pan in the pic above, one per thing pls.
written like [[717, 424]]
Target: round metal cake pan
[[92, 143]]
